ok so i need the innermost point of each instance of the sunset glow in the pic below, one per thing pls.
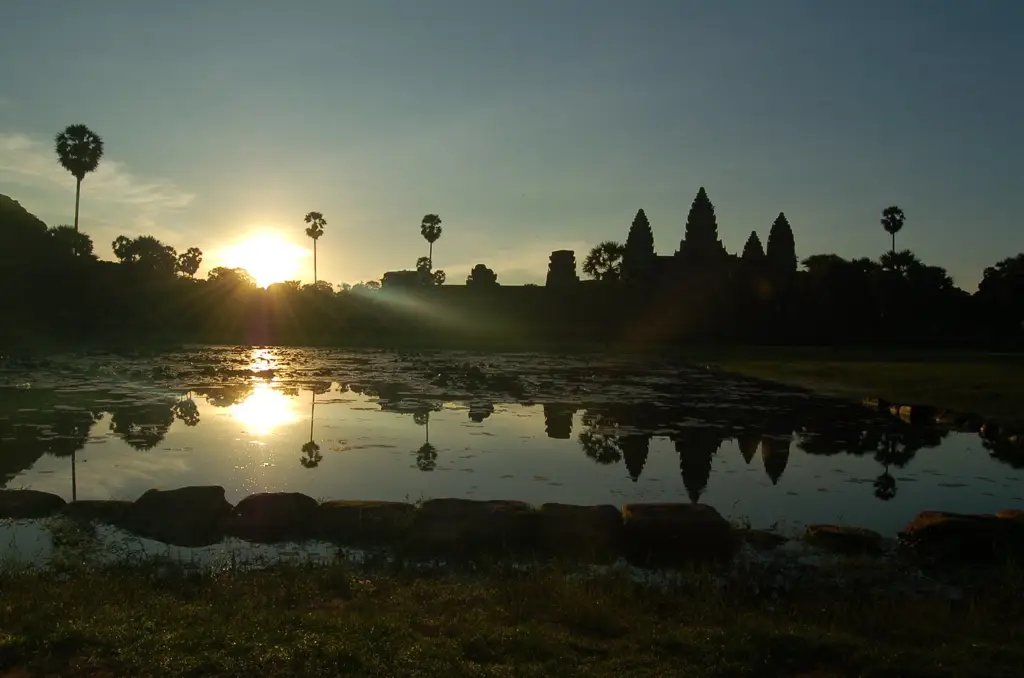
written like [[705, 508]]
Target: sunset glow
[[267, 257]]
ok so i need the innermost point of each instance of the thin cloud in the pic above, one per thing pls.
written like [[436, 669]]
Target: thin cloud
[[31, 162]]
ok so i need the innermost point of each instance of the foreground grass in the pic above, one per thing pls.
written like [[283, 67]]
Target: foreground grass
[[326, 621], [989, 385]]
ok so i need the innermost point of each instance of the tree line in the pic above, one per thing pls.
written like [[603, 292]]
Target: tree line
[[765, 294]]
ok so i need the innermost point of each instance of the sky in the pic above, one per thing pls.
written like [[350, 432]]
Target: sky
[[529, 126]]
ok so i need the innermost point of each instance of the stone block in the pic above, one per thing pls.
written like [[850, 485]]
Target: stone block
[[676, 533], [270, 517]]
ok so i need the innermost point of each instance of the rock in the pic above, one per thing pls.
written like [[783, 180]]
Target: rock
[[28, 504], [273, 517], [763, 540], [963, 537], [106, 511], [916, 414], [460, 526], [876, 404], [676, 533], [586, 532], [843, 539], [894, 410], [363, 521], [187, 516]]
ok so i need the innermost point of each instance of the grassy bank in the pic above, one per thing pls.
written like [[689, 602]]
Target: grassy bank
[[327, 621], [990, 385]]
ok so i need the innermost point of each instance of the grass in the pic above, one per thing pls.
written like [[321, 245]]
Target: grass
[[986, 384], [162, 620]]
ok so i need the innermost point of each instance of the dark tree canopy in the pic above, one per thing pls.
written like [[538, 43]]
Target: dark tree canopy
[[146, 253], [638, 254], [753, 252], [781, 252], [481, 276], [1002, 287], [189, 261], [231, 277], [69, 241], [700, 243]]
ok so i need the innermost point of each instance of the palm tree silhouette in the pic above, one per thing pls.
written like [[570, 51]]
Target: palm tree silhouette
[[430, 229], [315, 229], [79, 151], [604, 261], [892, 222]]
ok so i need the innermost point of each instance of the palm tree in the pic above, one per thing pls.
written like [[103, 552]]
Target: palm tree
[[315, 229], [79, 151], [892, 222], [604, 261], [430, 229]]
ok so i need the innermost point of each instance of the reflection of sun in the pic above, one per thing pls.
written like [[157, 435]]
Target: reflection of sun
[[265, 410], [267, 257]]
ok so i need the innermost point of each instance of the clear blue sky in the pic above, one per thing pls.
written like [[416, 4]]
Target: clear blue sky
[[527, 125]]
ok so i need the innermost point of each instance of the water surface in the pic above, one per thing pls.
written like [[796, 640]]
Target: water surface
[[537, 428]]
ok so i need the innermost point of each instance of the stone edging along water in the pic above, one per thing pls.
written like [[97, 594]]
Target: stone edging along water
[[648, 534]]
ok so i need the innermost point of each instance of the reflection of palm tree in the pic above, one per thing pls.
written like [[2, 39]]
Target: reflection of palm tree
[[426, 457], [71, 429], [635, 449], [885, 486], [311, 450], [311, 455]]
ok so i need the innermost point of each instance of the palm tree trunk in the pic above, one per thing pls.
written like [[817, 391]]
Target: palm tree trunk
[[78, 195], [74, 483], [430, 257], [314, 262], [312, 413]]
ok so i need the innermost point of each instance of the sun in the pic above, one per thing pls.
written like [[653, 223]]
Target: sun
[[267, 257], [264, 410]]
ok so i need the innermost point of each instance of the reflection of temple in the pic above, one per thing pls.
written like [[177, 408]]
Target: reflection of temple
[[748, 444], [480, 411], [558, 421], [696, 446], [635, 449], [775, 456]]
